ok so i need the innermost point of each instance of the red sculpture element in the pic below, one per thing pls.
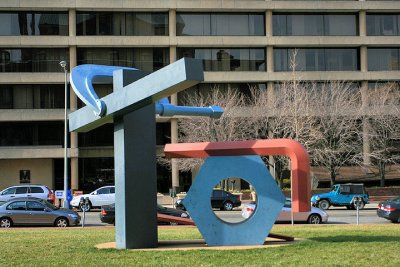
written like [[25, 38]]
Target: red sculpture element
[[301, 187]]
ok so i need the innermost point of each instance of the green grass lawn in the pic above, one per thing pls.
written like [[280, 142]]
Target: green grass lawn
[[325, 245]]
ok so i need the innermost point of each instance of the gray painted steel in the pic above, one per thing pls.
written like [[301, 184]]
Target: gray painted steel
[[136, 179]]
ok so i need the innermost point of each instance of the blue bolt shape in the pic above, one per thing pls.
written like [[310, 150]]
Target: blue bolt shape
[[255, 229]]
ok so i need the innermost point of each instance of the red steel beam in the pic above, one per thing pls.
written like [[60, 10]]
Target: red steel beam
[[300, 163]]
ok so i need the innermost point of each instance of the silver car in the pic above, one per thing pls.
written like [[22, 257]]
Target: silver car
[[35, 211], [314, 216]]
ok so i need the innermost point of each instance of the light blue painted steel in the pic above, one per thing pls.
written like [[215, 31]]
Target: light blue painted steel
[[82, 83], [149, 89], [169, 110], [252, 231]]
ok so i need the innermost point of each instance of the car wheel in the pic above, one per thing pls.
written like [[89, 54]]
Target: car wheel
[[360, 206], [314, 219], [61, 222], [324, 204], [5, 222], [85, 207], [228, 206]]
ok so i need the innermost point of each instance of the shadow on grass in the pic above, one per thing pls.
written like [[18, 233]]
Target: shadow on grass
[[355, 238]]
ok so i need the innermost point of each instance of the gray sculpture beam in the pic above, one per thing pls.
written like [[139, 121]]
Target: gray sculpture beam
[[169, 80]]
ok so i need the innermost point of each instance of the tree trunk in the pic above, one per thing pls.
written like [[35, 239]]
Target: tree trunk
[[382, 166], [333, 177]]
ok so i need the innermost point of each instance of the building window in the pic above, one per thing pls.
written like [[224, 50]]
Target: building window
[[148, 59], [32, 59], [207, 88], [317, 59], [25, 96], [36, 133], [383, 24], [121, 23], [383, 59], [227, 59], [315, 24], [33, 23], [220, 24]]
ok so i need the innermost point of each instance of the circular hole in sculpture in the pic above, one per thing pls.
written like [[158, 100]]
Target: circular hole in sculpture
[[233, 200]]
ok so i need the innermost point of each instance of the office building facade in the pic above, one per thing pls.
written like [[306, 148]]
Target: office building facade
[[241, 42]]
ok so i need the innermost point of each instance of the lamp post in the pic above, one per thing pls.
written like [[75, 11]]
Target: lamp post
[[63, 65]]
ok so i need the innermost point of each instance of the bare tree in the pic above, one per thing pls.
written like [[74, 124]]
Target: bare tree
[[336, 107], [381, 111], [232, 125]]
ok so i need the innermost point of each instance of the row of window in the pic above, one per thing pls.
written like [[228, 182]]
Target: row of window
[[196, 24], [214, 59], [31, 133], [26, 96]]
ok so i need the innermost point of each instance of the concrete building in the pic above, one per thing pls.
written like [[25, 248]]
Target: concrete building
[[240, 41]]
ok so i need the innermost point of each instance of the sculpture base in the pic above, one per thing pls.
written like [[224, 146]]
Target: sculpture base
[[201, 244]]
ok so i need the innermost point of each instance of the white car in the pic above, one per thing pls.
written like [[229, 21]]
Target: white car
[[103, 196], [315, 216], [26, 190]]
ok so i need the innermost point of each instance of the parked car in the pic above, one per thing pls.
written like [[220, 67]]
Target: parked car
[[103, 196], [341, 195], [26, 190], [35, 211], [315, 216], [107, 214], [220, 199], [390, 209]]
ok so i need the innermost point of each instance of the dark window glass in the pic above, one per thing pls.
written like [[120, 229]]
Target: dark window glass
[[227, 59], [31, 133], [383, 24], [35, 189], [102, 136], [32, 59], [121, 23], [314, 24], [25, 96], [35, 206], [18, 205], [33, 23], [163, 133], [21, 190], [383, 59], [220, 24], [207, 88], [103, 191], [217, 193], [316, 59], [148, 59], [6, 97], [112, 190]]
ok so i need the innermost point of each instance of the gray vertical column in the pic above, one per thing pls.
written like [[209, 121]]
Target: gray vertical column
[[174, 99], [73, 103], [135, 177]]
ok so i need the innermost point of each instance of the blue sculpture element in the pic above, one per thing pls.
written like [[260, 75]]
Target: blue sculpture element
[[81, 81], [255, 229]]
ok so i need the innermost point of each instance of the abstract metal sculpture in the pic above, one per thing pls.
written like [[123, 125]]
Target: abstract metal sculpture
[[136, 98]]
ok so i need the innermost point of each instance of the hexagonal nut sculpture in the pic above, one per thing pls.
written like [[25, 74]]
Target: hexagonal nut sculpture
[[255, 229]]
